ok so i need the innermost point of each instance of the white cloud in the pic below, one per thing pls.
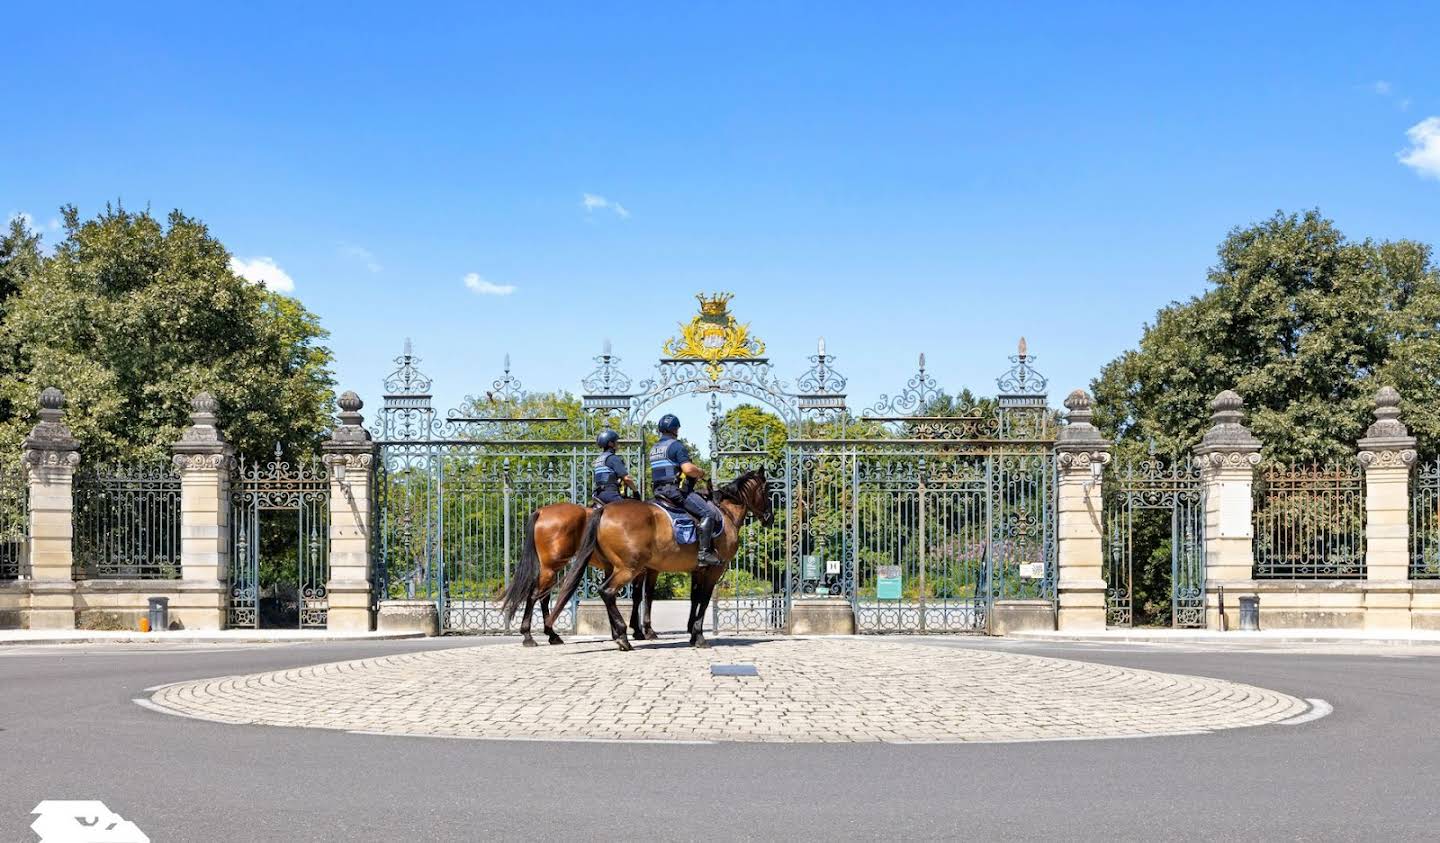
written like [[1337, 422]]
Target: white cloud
[[29, 220], [1383, 89], [265, 272], [1423, 156], [480, 286], [593, 202], [361, 254]]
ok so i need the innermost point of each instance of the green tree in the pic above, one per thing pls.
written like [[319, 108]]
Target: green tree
[[132, 317], [19, 259], [1305, 325]]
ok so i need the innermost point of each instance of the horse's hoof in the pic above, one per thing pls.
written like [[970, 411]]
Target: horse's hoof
[[555, 639], [529, 642], [651, 635], [700, 643], [624, 645]]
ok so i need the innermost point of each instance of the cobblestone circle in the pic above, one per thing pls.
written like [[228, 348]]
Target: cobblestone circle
[[808, 690]]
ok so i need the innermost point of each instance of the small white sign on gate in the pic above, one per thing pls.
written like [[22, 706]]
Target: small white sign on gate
[[1032, 570]]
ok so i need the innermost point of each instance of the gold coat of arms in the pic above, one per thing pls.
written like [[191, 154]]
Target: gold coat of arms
[[714, 337]]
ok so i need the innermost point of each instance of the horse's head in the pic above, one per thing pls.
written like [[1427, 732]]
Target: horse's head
[[752, 491]]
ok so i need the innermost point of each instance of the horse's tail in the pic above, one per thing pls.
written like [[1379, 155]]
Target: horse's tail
[[589, 543], [527, 573]]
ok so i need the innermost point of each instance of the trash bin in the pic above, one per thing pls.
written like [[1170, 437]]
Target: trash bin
[[159, 614], [1250, 613]]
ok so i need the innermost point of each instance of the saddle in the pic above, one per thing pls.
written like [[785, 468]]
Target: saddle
[[682, 522]]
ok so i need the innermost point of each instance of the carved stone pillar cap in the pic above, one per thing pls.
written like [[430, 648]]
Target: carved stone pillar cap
[[1079, 434], [52, 401], [51, 434], [203, 408], [1227, 433], [350, 405], [202, 436], [1387, 442], [350, 434]]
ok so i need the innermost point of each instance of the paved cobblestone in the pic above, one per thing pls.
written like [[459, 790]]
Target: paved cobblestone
[[808, 690]]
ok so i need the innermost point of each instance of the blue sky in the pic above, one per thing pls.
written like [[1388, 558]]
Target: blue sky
[[896, 177]]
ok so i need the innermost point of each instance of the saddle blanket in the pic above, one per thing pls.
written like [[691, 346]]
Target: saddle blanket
[[686, 532]]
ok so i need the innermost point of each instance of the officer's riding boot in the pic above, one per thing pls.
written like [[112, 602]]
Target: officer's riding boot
[[705, 554]]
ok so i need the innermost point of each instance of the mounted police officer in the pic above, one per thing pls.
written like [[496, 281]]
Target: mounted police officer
[[669, 463], [610, 471]]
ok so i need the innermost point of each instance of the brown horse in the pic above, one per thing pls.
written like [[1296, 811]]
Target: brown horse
[[630, 540], [552, 536]]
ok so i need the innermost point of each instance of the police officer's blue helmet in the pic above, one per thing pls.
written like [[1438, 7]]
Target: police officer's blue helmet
[[607, 438], [668, 423]]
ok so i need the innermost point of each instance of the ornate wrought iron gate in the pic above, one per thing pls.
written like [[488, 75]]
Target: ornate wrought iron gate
[[752, 596], [921, 510], [1150, 507], [277, 488], [455, 493]]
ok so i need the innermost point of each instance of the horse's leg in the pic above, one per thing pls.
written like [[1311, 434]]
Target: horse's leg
[[608, 591], [698, 607], [546, 584], [652, 580], [696, 589], [637, 613], [525, 639]]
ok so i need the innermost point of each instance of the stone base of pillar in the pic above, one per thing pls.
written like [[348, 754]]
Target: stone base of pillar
[[349, 609], [1011, 616], [1387, 605], [409, 616], [52, 604], [1081, 607], [822, 616], [592, 619], [14, 604]]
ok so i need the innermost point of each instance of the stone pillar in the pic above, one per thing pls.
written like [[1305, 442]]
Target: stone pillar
[[51, 455], [204, 459], [1081, 453], [350, 456], [1228, 454], [1387, 452]]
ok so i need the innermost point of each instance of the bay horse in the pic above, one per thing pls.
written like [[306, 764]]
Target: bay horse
[[631, 540], [552, 536]]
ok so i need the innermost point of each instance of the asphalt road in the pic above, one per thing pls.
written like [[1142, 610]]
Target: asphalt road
[[69, 730]]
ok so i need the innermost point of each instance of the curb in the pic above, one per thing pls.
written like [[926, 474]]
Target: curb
[[161, 638], [1227, 638]]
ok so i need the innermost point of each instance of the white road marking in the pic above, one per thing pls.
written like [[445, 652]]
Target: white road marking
[[144, 703], [1318, 709]]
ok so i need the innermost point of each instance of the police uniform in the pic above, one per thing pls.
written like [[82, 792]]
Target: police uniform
[[665, 460], [609, 471]]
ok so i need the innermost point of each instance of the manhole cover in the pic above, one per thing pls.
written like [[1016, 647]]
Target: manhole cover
[[733, 670]]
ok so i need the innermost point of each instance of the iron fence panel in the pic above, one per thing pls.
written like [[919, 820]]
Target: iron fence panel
[[127, 522], [1310, 522], [14, 522], [1425, 522]]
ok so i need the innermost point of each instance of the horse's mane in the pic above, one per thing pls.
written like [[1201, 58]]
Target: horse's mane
[[731, 491]]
